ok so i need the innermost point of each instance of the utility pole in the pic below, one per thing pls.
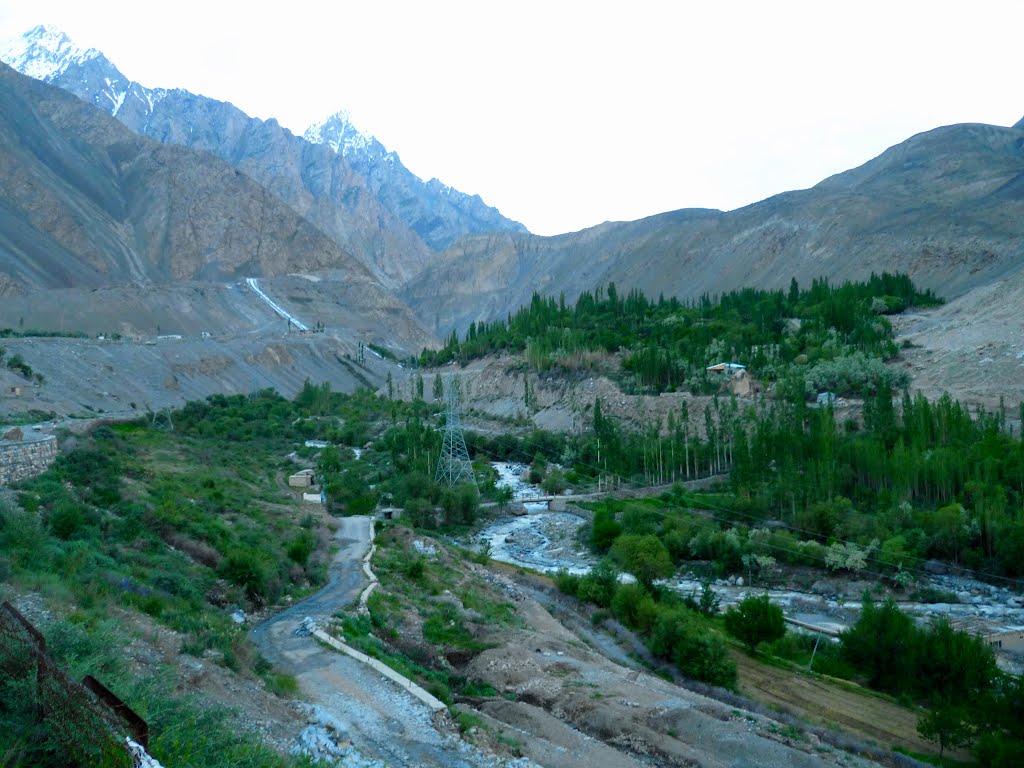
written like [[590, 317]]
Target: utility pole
[[453, 465]]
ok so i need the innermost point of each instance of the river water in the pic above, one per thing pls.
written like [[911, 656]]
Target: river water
[[546, 541]]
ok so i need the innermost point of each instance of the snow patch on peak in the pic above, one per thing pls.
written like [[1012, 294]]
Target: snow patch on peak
[[44, 53], [340, 134]]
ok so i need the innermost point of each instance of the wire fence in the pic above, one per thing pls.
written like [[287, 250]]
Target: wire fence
[[84, 721]]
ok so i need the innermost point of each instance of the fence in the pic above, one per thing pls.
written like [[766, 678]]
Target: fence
[[87, 723]]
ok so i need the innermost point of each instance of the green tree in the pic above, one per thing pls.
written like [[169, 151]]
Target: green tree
[[947, 725], [755, 620], [605, 529], [678, 635], [643, 556], [884, 644]]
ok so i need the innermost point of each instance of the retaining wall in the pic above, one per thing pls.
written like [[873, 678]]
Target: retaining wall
[[26, 458]]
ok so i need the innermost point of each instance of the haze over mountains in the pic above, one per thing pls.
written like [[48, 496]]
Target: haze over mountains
[[345, 183], [945, 206]]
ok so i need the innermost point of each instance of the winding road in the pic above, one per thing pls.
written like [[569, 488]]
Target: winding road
[[383, 721]]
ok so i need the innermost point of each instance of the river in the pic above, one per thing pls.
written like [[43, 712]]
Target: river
[[546, 541]]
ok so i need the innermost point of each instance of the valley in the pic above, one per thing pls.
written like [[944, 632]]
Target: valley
[[780, 451]]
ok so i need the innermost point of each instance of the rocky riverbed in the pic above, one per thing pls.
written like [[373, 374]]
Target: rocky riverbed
[[546, 541]]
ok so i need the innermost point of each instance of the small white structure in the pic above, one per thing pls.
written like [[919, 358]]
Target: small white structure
[[305, 478], [725, 368]]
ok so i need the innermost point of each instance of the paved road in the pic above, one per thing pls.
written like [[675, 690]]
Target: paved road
[[383, 721]]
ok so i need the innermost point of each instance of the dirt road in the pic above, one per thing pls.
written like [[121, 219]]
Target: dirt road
[[383, 722]]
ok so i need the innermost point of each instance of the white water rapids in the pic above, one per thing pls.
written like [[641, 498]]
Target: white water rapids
[[546, 541]]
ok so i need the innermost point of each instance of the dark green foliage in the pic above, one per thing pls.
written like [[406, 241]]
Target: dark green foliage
[[936, 662], [634, 607], [301, 547], [566, 582], [643, 556], [948, 726], [605, 529], [669, 343], [755, 620], [247, 568], [599, 585], [678, 635], [883, 645]]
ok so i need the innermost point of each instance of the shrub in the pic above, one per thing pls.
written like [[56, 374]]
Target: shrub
[[599, 585], [643, 556], [626, 603], [569, 583], [755, 620], [678, 635], [246, 568]]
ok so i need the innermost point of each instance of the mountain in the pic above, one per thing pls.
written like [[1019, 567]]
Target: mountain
[[946, 206], [88, 203], [439, 214], [361, 196]]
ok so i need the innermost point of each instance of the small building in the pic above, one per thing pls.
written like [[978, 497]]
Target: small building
[[305, 478], [316, 498], [826, 399], [730, 368], [15, 391]]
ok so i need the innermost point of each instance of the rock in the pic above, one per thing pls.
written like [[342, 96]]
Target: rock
[[936, 567], [822, 588], [424, 549], [307, 627], [739, 581], [238, 617]]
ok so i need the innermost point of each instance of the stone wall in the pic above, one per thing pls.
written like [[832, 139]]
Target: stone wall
[[28, 458]]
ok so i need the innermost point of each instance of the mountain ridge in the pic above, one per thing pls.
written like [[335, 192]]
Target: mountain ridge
[[320, 184], [946, 206]]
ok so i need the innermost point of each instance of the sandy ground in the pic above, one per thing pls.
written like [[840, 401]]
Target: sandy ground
[[972, 347]]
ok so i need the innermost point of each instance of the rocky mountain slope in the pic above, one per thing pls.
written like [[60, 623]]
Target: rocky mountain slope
[[944, 206], [105, 231], [86, 203], [360, 196], [436, 212]]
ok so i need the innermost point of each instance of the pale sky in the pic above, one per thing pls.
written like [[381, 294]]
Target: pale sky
[[567, 114]]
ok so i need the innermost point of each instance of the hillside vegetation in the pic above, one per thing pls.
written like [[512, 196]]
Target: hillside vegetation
[[831, 332]]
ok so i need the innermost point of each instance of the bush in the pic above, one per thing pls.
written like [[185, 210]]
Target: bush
[[599, 585], [755, 620], [626, 603], [605, 529], [678, 635], [247, 568], [569, 583], [883, 645], [66, 520], [643, 556]]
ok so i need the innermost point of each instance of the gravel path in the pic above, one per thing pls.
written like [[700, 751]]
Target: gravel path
[[385, 725]]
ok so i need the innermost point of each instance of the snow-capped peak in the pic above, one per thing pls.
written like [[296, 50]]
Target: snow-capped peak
[[340, 134], [44, 53]]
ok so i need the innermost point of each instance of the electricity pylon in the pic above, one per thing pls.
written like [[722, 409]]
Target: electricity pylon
[[454, 466]]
